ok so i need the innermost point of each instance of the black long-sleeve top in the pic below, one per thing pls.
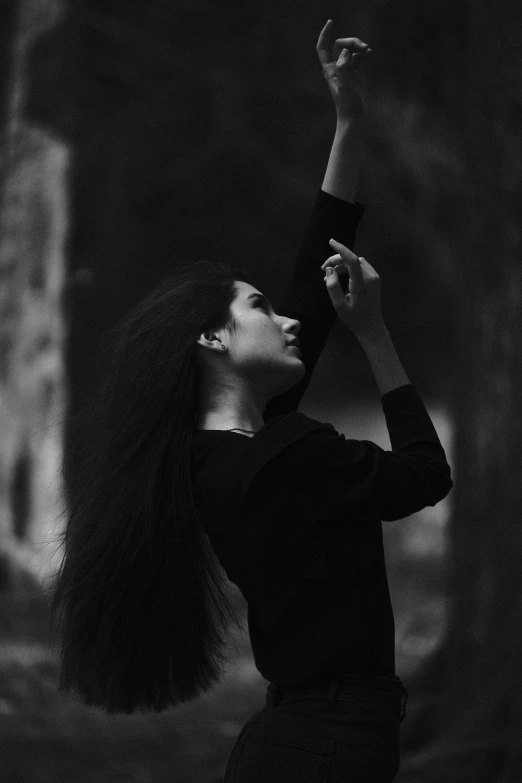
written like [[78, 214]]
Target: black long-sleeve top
[[294, 513]]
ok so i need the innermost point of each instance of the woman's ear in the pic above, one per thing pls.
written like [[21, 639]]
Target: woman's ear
[[210, 340]]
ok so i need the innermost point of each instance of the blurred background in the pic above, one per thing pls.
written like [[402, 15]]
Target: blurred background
[[137, 135]]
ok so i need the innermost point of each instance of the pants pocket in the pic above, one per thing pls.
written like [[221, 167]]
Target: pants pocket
[[280, 751]]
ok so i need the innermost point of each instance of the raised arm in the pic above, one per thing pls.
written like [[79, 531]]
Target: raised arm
[[340, 60], [335, 213]]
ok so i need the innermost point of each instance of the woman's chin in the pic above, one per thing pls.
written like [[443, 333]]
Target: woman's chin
[[300, 369]]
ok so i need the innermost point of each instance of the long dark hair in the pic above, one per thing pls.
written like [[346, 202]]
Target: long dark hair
[[143, 610]]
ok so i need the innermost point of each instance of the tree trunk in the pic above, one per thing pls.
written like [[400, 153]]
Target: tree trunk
[[477, 722], [33, 217]]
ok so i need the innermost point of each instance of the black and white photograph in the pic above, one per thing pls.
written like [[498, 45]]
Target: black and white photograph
[[260, 391]]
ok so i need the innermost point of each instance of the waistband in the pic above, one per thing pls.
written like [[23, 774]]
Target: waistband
[[387, 692]]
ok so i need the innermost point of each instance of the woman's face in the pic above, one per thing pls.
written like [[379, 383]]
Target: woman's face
[[259, 350]]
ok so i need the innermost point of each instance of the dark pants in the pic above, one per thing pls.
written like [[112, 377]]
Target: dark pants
[[346, 729]]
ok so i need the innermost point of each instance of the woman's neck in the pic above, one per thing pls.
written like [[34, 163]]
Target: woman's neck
[[239, 410]]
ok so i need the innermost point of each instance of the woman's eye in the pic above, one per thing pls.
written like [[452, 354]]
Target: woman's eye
[[262, 306]]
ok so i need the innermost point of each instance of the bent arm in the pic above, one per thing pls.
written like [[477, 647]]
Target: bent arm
[[305, 297], [335, 476]]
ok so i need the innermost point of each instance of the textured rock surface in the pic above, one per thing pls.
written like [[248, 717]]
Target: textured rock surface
[[33, 230]]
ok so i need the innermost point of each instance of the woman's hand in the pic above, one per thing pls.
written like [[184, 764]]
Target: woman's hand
[[360, 307], [340, 59]]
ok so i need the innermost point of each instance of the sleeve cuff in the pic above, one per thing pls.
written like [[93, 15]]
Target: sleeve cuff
[[407, 391], [336, 205]]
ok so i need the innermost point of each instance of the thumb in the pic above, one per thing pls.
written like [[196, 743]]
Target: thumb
[[333, 287], [344, 58]]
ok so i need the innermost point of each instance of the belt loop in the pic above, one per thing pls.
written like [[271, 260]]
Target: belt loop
[[332, 693]]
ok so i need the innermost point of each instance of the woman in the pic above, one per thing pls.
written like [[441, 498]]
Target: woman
[[195, 456]]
